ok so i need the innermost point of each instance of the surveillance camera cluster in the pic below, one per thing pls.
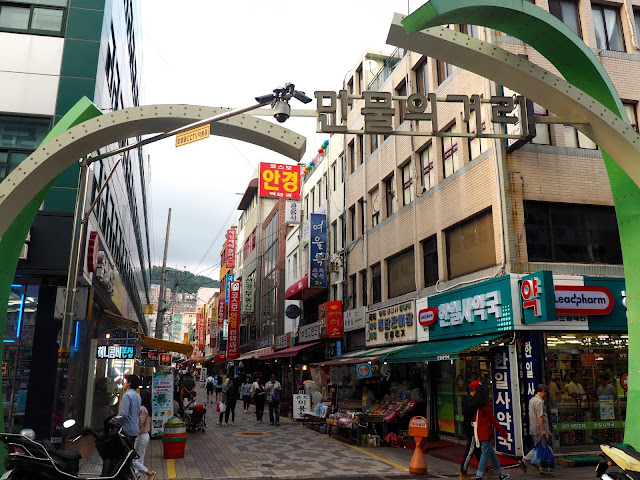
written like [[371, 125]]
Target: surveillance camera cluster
[[279, 100]]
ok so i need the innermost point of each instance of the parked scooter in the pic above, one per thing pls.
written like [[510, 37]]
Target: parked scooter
[[625, 457], [39, 460]]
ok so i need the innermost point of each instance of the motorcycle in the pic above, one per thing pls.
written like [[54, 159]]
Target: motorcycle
[[38, 459], [625, 457]]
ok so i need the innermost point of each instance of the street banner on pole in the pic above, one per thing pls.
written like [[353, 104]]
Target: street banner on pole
[[233, 339]]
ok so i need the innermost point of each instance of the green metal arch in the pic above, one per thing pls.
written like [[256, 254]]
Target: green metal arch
[[580, 67]]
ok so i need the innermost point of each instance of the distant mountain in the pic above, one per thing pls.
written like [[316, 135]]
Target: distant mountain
[[182, 281]]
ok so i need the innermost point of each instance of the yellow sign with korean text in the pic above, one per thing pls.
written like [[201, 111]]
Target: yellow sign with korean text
[[193, 135]]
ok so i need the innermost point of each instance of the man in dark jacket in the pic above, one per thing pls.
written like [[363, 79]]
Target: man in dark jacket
[[469, 412]]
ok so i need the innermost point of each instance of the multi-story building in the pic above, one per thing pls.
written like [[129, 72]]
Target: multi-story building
[[435, 225], [54, 53]]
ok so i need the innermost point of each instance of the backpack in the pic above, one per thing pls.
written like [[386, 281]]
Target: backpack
[[209, 380]]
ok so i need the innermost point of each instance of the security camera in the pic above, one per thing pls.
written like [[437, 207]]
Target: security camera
[[282, 111], [300, 96], [264, 99]]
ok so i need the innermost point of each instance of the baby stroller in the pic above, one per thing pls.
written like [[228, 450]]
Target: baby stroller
[[197, 418]]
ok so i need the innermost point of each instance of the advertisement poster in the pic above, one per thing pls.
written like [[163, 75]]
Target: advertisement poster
[[230, 260], [446, 418], [607, 411], [161, 401], [200, 331], [233, 338], [279, 181], [318, 251]]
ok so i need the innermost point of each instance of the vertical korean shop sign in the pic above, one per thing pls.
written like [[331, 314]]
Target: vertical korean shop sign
[[230, 259], [221, 305], [537, 296], [233, 336], [505, 398], [161, 401], [279, 181], [228, 278], [247, 295], [200, 330], [318, 251]]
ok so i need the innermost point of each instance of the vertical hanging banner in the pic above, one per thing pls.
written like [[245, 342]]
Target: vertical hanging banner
[[279, 181], [503, 399], [230, 259], [221, 304], [161, 401], [292, 212], [233, 335], [330, 314], [318, 251], [228, 278], [247, 296], [200, 331]]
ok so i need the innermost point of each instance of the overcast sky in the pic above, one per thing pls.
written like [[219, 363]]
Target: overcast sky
[[223, 54]]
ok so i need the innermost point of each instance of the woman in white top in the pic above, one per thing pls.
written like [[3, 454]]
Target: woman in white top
[[142, 440]]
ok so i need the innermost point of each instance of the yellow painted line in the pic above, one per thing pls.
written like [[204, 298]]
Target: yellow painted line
[[171, 468], [383, 460]]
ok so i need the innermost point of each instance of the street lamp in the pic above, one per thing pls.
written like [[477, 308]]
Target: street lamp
[[279, 100]]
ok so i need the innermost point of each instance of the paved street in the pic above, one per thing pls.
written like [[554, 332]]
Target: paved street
[[248, 450]]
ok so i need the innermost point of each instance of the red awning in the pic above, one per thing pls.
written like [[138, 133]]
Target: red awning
[[288, 352], [301, 290]]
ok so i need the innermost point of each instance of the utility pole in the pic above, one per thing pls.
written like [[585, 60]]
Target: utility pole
[[163, 282]]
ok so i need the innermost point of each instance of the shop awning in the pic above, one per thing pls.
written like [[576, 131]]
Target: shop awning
[[158, 344], [254, 354], [288, 352], [439, 350], [372, 355], [120, 321], [301, 290]]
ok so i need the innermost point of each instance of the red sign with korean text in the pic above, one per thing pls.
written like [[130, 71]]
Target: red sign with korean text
[[280, 181], [200, 331], [233, 337], [330, 314], [221, 311], [230, 260]]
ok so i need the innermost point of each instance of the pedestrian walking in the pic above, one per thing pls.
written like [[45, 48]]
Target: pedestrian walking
[[484, 424], [255, 385], [218, 384], [538, 427], [273, 389], [142, 441], [129, 414], [210, 389], [260, 397], [469, 411], [245, 393], [230, 398]]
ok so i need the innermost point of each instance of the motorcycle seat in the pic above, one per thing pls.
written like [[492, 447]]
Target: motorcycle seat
[[629, 450], [66, 455]]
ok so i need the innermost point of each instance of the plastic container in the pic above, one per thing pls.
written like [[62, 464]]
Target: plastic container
[[174, 439]]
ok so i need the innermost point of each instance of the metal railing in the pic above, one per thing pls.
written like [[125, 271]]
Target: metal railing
[[387, 69]]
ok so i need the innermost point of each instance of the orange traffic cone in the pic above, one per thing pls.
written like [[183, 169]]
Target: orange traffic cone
[[418, 465]]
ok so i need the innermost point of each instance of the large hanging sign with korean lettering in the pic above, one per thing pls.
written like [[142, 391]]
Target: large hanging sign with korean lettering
[[279, 181], [506, 399], [478, 309], [330, 314], [115, 352], [200, 330], [391, 325], [233, 334], [379, 111], [221, 310], [228, 278], [247, 295], [318, 251], [230, 251]]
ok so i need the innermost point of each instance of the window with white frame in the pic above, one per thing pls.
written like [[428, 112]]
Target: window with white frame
[[543, 135], [568, 13], [576, 139], [630, 109], [451, 156], [374, 199], [477, 145], [608, 26], [408, 192], [427, 168], [390, 195]]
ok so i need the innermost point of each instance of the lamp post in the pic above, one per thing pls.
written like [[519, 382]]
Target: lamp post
[[279, 101]]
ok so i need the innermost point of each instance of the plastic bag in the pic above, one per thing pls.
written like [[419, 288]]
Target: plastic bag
[[275, 397], [220, 407], [543, 456], [393, 440]]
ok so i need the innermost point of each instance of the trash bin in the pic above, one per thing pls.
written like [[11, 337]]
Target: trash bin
[[174, 439]]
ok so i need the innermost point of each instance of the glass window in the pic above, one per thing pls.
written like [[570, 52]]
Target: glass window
[[471, 245], [408, 192], [471, 30], [373, 142], [270, 278], [352, 220], [352, 282], [477, 145], [543, 133], [422, 78], [430, 258], [362, 214], [23, 132], [352, 156], [374, 198], [363, 278], [53, 3], [575, 139], [444, 70], [376, 283], [567, 12], [572, 233], [360, 149], [14, 18], [608, 28], [401, 91], [450, 153], [630, 109], [334, 174], [401, 273], [390, 195], [426, 167], [47, 19]]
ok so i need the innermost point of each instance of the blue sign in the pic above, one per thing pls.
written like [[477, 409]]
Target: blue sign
[[338, 348], [229, 277], [318, 251], [502, 398], [538, 297], [531, 349], [363, 370]]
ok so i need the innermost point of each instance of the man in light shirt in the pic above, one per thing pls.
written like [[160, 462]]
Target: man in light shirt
[[574, 388]]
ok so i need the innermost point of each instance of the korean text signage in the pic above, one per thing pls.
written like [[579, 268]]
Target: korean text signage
[[354, 319], [247, 295], [115, 352], [502, 398], [292, 212], [200, 331], [394, 324], [233, 335], [482, 308], [379, 110], [230, 260], [532, 372], [283, 341], [309, 332], [318, 251], [537, 302], [193, 135], [228, 278], [164, 359], [578, 300], [221, 310], [330, 314], [279, 181], [301, 404]]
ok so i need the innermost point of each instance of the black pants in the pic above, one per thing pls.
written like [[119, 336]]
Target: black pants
[[274, 409], [469, 453], [229, 410], [259, 411], [246, 401]]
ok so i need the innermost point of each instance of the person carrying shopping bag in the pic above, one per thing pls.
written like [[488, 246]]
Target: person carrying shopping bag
[[538, 428], [483, 427]]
